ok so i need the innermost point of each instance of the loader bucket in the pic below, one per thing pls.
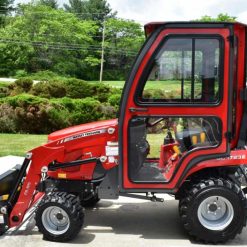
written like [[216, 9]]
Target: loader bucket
[[8, 181]]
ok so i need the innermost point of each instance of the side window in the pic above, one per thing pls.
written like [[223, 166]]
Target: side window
[[157, 144], [185, 70]]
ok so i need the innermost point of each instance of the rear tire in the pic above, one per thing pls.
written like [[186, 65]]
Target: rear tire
[[213, 211], [59, 216]]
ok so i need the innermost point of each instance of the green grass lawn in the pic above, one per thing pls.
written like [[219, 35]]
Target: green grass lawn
[[166, 86], [4, 84], [115, 84], [19, 144], [170, 85], [155, 141]]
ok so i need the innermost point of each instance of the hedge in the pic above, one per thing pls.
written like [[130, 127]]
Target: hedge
[[55, 103], [26, 113]]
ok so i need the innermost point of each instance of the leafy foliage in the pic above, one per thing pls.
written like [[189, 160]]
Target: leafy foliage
[[22, 85], [40, 37], [97, 10], [46, 41], [123, 41], [223, 17], [31, 114], [50, 3], [77, 89], [6, 6], [49, 89]]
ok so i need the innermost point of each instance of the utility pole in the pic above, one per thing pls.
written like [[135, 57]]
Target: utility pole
[[102, 53]]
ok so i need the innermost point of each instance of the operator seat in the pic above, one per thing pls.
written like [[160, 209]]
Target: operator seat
[[211, 129]]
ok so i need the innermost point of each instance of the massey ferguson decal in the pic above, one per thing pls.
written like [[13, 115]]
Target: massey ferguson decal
[[91, 133]]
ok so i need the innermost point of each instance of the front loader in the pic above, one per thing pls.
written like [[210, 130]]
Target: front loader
[[181, 130]]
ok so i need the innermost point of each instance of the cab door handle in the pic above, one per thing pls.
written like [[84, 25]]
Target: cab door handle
[[133, 109]]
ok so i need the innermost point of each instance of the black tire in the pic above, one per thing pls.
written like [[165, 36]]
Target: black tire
[[70, 206], [189, 208], [3, 230], [90, 200]]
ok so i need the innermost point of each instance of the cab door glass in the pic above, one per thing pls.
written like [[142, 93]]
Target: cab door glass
[[185, 70], [157, 144]]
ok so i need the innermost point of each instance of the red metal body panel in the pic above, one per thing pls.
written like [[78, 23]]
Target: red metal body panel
[[239, 77], [236, 158], [81, 128]]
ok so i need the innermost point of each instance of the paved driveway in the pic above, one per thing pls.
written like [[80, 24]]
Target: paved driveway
[[126, 222]]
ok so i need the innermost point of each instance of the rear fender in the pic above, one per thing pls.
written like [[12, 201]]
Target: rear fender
[[236, 158]]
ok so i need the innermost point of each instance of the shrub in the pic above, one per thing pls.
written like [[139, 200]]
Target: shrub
[[24, 83], [33, 114], [114, 100], [20, 73], [108, 111], [7, 119], [81, 110], [77, 89], [20, 86], [4, 92], [100, 92], [26, 113], [23, 100], [49, 89]]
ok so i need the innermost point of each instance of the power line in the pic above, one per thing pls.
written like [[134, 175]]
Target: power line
[[60, 46], [71, 45], [54, 35]]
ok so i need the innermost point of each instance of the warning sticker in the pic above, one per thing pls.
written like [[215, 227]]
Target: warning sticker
[[111, 151]]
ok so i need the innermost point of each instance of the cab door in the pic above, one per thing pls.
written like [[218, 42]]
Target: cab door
[[175, 109]]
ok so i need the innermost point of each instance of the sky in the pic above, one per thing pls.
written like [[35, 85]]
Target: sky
[[145, 11]]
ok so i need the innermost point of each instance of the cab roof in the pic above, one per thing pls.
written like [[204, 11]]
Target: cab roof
[[152, 26]]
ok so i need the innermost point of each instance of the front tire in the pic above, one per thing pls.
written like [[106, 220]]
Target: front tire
[[213, 211], [59, 216]]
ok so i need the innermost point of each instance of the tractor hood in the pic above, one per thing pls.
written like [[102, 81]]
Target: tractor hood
[[82, 128]]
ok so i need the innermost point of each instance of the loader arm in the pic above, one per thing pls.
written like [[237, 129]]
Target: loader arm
[[40, 156]]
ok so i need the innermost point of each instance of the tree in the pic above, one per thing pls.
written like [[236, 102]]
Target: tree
[[50, 3], [123, 40], [96, 10], [5, 9], [42, 38], [223, 17]]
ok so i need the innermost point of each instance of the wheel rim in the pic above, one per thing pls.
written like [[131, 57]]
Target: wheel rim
[[215, 213], [55, 220]]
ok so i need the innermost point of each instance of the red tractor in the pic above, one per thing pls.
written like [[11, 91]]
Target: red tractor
[[181, 130]]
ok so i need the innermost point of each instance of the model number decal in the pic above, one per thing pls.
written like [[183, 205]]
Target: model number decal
[[91, 133], [234, 157]]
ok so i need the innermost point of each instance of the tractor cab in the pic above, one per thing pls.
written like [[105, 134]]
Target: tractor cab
[[179, 104]]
